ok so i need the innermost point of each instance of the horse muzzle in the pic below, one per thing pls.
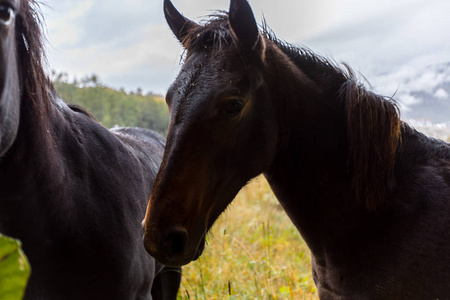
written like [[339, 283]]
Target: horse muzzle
[[172, 248]]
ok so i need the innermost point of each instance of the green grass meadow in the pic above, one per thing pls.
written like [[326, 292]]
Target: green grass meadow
[[253, 252]]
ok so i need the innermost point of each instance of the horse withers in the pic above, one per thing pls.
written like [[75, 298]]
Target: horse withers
[[369, 194], [72, 191]]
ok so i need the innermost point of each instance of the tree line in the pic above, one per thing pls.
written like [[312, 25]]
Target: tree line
[[113, 107]]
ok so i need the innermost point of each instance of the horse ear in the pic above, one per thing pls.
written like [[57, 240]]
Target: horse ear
[[179, 25], [243, 24]]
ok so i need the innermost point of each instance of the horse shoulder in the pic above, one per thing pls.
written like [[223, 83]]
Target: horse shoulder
[[421, 201]]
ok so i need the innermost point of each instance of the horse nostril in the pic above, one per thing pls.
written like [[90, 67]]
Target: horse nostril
[[175, 242]]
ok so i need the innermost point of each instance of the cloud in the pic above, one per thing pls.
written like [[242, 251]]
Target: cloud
[[63, 25], [96, 22], [127, 42], [79, 10], [392, 44], [441, 94], [144, 63], [290, 19], [114, 39]]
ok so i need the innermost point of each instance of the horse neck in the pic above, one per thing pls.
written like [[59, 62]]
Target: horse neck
[[310, 116], [28, 174], [337, 152], [33, 152], [312, 150]]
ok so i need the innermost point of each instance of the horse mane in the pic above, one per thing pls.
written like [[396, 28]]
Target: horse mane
[[36, 86], [373, 131], [373, 122]]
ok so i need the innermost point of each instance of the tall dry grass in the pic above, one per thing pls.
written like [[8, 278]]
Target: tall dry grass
[[254, 252]]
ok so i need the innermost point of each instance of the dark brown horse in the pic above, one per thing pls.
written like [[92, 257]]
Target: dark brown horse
[[369, 194], [72, 191]]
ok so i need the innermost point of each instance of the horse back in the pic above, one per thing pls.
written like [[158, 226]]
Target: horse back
[[146, 145]]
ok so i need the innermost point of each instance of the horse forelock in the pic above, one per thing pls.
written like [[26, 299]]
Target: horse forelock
[[215, 35]]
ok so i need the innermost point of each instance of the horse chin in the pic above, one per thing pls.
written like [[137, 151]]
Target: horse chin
[[200, 249]]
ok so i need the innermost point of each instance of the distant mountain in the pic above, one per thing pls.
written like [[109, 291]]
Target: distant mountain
[[439, 130], [426, 95]]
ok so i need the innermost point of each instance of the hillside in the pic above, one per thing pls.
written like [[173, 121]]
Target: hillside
[[113, 107]]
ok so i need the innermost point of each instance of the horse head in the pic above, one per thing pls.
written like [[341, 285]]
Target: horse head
[[221, 132], [9, 75]]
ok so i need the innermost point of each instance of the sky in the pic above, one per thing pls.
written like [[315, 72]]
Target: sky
[[128, 44]]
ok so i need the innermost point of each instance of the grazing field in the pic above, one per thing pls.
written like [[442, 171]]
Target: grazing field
[[253, 252]]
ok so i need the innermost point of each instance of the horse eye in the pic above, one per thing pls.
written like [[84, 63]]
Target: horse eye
[[6, 14], [233, 107]]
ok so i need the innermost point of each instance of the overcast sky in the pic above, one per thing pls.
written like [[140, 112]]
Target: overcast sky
[[128, 44]]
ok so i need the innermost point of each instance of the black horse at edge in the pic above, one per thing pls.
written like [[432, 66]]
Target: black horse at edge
[[71, 190]]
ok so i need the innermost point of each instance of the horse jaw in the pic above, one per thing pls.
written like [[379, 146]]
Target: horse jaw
[[9, 91]]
